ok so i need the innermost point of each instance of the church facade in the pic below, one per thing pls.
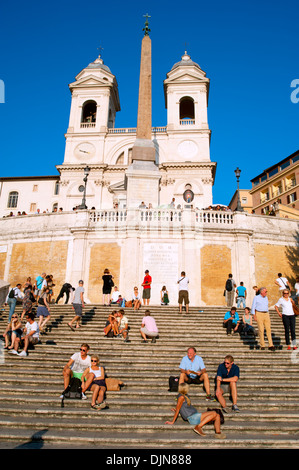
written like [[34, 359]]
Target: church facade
[[129, 213]]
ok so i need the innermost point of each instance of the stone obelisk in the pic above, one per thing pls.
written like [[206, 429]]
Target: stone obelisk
[[142, 176]]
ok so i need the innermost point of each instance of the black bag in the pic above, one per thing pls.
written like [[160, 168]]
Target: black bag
[[229, 285], [218, 411], [111, 283], [73, 391], [11, 294], [173, 383]]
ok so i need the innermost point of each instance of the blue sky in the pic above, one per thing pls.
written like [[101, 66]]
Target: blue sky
[[249, 51]]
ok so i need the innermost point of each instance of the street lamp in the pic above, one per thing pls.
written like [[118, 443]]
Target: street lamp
[[83, 203], [239, 207]]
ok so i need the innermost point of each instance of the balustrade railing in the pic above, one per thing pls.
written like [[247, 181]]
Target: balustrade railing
[[161, 216]]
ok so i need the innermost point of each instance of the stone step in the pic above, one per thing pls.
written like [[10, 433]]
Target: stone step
[[30, 407], [128, 439]]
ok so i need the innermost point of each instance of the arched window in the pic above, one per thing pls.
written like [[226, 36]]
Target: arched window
[[13, 199], [120, 160], [89, 113], [187, 109]]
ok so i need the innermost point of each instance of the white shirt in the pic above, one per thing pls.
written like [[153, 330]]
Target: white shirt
[[283, 282], [297, 288], [32, 327], [79, 365], [287, 307], [183, 283], [115, 295], [17, 294]]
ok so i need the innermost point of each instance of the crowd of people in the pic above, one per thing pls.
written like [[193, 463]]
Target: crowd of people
[[259, 312], [39, 295]]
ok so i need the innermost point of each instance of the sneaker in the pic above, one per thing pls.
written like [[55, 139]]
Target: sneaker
[[210, 398], [295, 347], [220, 435], [13, 351], [224, 410], [272, 348], [127, 340], [23, 354], [153, 340], [102, 405], [235, 408], [144, 341], [84, 397]]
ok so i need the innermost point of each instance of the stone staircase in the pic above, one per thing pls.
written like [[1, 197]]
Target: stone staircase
[[30, 407]]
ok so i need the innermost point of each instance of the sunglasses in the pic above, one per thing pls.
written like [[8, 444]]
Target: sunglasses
[[93, 360], [84, 350]]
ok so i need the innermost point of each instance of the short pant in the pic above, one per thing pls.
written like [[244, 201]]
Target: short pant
[[146, 294], [78, 309], [194, 419], [184, 296], [152, 334]]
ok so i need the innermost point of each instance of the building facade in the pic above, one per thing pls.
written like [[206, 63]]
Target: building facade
[[175, 233], [277, 188]]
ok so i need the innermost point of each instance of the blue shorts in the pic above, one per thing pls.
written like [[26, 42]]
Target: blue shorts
[[194, 419]]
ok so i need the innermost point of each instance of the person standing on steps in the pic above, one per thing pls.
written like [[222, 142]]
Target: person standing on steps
[[282, 283], [260, 311], [288, 318], [183, 292], [193, 371], [78, 305], [190, 414], [230, 287], [146, 294]]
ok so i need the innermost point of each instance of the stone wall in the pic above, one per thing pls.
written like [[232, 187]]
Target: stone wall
[[80, 245]]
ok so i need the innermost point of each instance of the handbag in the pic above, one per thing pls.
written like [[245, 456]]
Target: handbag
[[295, 309], [113, 385]]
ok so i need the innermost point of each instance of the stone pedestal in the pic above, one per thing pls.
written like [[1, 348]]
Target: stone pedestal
[[142, 184]]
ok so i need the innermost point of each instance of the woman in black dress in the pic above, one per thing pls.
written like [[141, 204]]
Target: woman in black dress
[[107, 286]]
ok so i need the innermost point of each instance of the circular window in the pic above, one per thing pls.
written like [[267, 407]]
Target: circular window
[[188, 196]]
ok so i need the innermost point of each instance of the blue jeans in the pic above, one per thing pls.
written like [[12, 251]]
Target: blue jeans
[[12, 306], [241, 300]]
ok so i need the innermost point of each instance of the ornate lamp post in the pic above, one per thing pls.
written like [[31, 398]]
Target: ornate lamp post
[[239, 207], [83, 203]]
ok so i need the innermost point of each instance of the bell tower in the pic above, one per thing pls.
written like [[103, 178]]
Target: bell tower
[[94, 105]]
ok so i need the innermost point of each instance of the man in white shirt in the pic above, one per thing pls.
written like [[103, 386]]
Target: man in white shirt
[[31, 335], [115, 295], [76, 365], [282, 283], [11, 300], [183, 292]]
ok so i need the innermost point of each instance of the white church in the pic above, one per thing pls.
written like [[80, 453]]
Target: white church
[[132, 199], [182, 147]]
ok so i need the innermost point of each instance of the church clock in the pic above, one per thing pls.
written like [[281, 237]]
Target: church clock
[[85, 151]]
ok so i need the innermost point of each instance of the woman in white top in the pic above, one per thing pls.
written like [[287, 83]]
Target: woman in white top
[[288, 318], [136, 300], [93, 379]]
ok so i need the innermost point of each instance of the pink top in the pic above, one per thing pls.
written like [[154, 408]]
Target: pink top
[[150, 324]]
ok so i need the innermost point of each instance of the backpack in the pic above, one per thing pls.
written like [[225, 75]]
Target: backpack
[[229, 285], [73, 391], [11, 294], [173, 383]]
